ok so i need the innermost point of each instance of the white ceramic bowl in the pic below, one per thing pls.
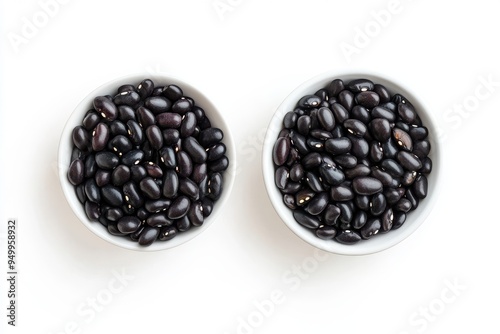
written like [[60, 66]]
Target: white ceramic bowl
[[379, 242], [66, 146]]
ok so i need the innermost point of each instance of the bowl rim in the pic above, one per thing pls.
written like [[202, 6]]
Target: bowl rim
[[378, 243], [76, 117]]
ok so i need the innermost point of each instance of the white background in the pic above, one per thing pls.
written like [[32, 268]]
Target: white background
[[247, 59]]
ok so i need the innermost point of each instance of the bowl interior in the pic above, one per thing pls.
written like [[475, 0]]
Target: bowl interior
[[66, 146], [379, 242]]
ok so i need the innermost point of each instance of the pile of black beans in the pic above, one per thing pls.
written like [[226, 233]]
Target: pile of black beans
[[146, 162], [352, 160]]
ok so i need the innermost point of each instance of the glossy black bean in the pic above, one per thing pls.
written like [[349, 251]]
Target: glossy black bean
[[170, 136], [367, 99], [338, 145], [215, 186], [408, 178], [92, 191], [129, 98], [120, 144], [113, 214], [331, 174], [311, 160], [414, 200], [407, 113], [135, 132], [426, 165], [299, 142], [371, 228], [384, 113], [360, 85], [153, 170], [331, 214], [390, 148], [420, 186], [360, 113], [304, 196], [113, 230], [106, 160], [126, 113], [360, 147], [145, 117], [132, 194], [399, 220], [137, 173], [289, 201], [409, 161], [326, 232], [105, 107], [387, 220], [184, 164], [382, 176], [195, 150], [348, 237], [148, 235], [340, 112], [118, 128], [382, 92], [362, 202], [133, 157], [402, 126], [155, 137], [355, 127], [182, 106], [392, 167], [91, 120], [167, 233], [418, 132], [179, 207], [366, 185], [297, 172], [402, 139], [145, 88], [81, 138], [170, 184], [281, 177], [378, 204], [292, 188], [125, 88], [393, 107], [76, 172], [380, 129], [149, 188], [403, 205], [326, 118], [376, 152], [102, 177], [346, 99], [92, 210], [309, 101], [290, 120], [112, 195], [422, 148], [335, 87], [346, 160], [189, 188], [80, 193], [314, 182], [341, 193], [158, 104], [358, 170], [306, 219], [317, 204], [172, 92], [159, 220], [188, 125], [346, 211], [168, 157], [209, 137], [359, 220], [155, 206], [304, 124]]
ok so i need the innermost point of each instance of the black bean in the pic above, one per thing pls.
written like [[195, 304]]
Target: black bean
[[403, 205], [184, 164], [376, 152], [148, 235], [167, 233], [170, 184], [380, 129], [335, 87], [341, 193], [153, 170], [169, 120], [158, 205], [366, 185], [378, 204], [346, 211], [129, 98], [155, 136], [414, 200], [210, 137], [182, 106], [331, 214], [306, 219], [159, 220], [309, 101], [311, 160], [290, 120], [292, 188], [189, 188], [194, 149], [361, 113], [137, 173], [172, 92], [92, 191], [131, 193], [92, 210], [382, 176], [215, 186], [170, 136], [118, 128], [420, 186], [149, 188], [360, 147], [348, 237], [390, 149], [179, 207], [367, 99], [281, 177], [318, 204], [188, 125], [392, 167], [158, 104], [113, 214], [409, 161], [402, 139], [384, 113], [422, 148], [346, 160], [81, 138], [112, 195], [408, 178], [326, 232], [331, 174], [76, 172], [304, 196], [313, 182], [120, 144], [399, 220], [297, 172], [91, 120], [419, 133], [102, 177], [326, 118], [346, 99], [426, 165], [80, 193], [105, 107], [304, 124], [360, 85], [382, 92], [145, 88], [106, 160], [135, 132], [359, 220], [355, 127], [338, 145], [358, 170], [402, 125], [371, 228], [340, 112], [289, 201], [133, 157]]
